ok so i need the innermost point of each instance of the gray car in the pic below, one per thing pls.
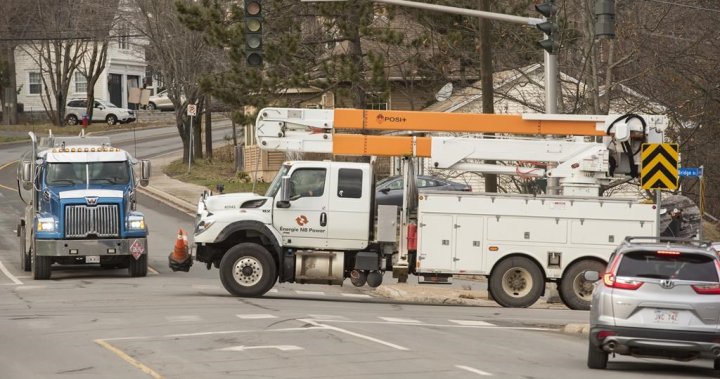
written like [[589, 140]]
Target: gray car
[[659, 297]]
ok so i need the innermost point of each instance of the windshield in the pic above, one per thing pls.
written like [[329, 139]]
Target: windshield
[[106, 104], [682, 266], [275, 185], [68, 174]]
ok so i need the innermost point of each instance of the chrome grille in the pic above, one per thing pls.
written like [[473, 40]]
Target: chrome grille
[[101, 220]]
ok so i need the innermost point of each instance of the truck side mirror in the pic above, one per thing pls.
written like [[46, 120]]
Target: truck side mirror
[[26, 175], [284, 201], [144, 172]]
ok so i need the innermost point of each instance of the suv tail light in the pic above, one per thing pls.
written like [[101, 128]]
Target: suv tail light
[[605, 334], [707, 289], [611, 281]]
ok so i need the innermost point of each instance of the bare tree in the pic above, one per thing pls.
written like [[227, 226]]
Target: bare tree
[[12, 30], [182, 57]]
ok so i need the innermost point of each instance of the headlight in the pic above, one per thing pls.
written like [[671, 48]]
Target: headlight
[[46, 224], [203, 226], [136, 222]]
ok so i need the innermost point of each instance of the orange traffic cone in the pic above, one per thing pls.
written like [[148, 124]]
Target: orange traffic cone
[[180, 258]]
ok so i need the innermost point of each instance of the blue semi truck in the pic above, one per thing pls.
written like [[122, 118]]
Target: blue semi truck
[[80, 196]]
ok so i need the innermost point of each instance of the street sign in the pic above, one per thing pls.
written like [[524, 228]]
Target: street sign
[[659, 166], [191, 110], [691, 171]]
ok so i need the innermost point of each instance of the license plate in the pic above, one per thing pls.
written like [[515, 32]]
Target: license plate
[[92, 259], [666, 317]]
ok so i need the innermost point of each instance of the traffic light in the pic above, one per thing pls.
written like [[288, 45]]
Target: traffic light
[[549, 27], [253, 33], [605, 18]]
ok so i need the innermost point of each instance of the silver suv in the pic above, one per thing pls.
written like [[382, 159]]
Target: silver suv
[[659, 297]]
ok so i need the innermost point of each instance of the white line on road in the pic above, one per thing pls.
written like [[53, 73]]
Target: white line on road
[[472, 323], [310, 293], [473, 370], [372, 339], [327, 317], [358, 295], [273, 290], [9, 275], [255, 316], [400, 320], [153, 271], [182, 318], [279, 347]]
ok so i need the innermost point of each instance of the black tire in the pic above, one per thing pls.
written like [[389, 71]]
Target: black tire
[[151, 106], [248, 270], [360, 280], [716, 364], [138, 267], [41, 266], [516, 282], [111, 119], [597, 359], [25, 260], [71, 119], [575, 291]]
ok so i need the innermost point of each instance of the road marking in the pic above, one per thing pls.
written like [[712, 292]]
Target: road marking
[[310, 293], [400, 320], [327, 317], [2, 168], [358, 335], [129, 359], [474, 370], [471, 323], [255, 316], [183, 318], [153, 271], [273, 290], [9, 275], [279, 347], [358, 295]]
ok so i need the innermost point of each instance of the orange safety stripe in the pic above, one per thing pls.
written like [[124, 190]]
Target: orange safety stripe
[[458, 122], [387, 146]]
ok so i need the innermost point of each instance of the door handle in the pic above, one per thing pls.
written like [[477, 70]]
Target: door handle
[[323, 219]]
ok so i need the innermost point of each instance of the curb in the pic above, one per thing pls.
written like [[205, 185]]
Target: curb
[[168, 199], [577, 329]]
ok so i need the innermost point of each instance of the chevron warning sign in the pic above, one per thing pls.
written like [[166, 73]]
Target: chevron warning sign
[[659, 166]]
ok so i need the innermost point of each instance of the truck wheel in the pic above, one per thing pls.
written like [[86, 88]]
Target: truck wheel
[[247, 270], [597, 359], [138, 267], [41, 267], [516, 282], [575, 291], [25, 261]]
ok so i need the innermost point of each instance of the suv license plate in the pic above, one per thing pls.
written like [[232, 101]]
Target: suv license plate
[[666, 317], [92, 259]]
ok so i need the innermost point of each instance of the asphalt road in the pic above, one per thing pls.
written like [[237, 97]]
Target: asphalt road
[[93, 323]]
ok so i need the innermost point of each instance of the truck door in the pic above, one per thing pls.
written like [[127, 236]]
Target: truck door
[[469, 232], [348, 218], [303, 223], [435, 236]]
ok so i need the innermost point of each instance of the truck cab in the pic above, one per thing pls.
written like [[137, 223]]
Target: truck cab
[[81, 206]]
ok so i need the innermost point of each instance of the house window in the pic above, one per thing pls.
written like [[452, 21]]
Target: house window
[[377, 101], [123, 36], [80, 83], [35, 83]]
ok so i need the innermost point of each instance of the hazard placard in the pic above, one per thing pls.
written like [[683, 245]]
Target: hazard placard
[[137, 249], [659, 166]]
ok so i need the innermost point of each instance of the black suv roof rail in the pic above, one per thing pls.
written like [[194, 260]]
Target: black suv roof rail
[[677, 240]]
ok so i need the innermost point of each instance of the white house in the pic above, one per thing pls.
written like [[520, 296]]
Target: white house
[[125, 68]]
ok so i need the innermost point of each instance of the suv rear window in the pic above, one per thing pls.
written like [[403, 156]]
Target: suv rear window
[[683, 266]]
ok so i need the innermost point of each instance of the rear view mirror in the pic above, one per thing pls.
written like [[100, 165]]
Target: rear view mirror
[[284, 201], [26, 175], [144, 172], [592, 276]]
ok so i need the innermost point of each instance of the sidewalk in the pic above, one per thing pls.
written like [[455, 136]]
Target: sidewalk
[[184, 196]]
